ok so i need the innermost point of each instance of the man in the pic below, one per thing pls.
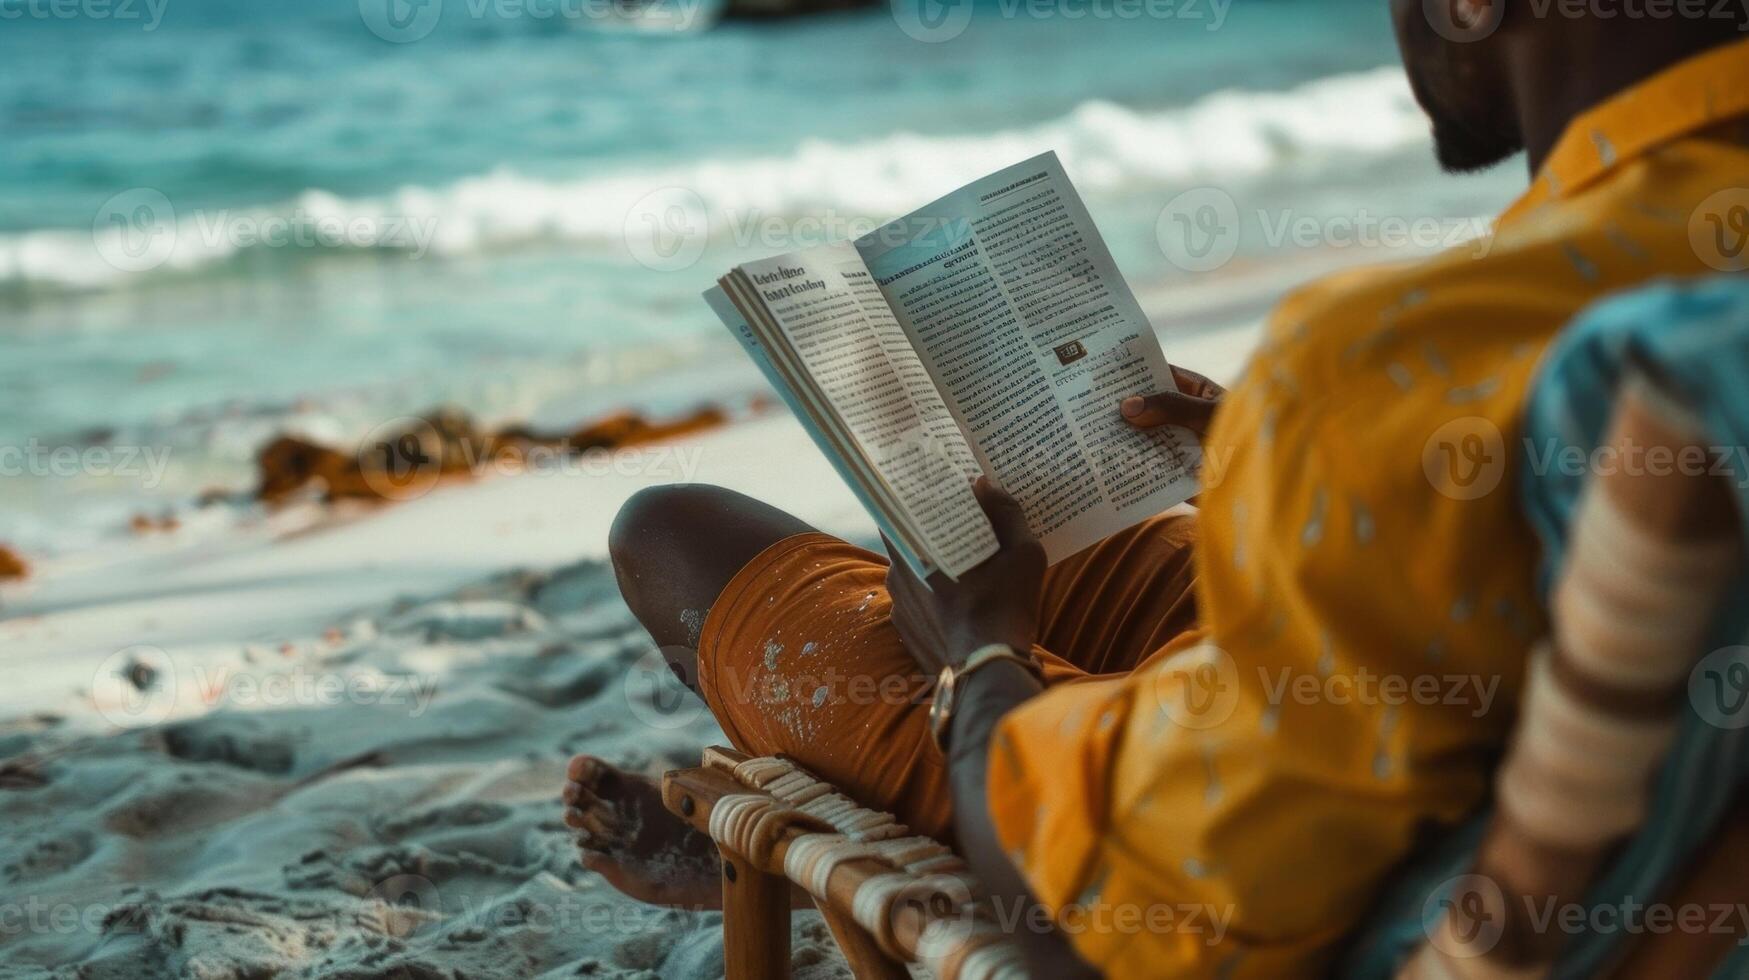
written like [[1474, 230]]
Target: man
[[1212, 772]]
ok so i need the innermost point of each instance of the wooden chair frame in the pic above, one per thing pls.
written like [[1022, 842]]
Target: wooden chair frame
[[758, 893]]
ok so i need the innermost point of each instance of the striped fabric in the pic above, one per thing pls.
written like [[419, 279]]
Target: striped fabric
[[1695, 339]]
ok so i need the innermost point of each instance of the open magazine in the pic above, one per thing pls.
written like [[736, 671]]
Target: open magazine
[[986, 333]]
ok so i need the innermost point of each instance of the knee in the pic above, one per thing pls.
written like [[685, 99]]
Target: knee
[[652, 518]]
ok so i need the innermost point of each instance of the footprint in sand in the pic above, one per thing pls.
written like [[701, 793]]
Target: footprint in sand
[[447, 817], [165, 804], [562, 678], [44, 857], [473, 619], [240, 742]]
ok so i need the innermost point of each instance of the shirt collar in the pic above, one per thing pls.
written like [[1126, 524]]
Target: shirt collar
[[1708, 88]]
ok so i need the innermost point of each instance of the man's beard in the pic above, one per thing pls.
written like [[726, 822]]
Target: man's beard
[[1459, 144], [1464, 149]]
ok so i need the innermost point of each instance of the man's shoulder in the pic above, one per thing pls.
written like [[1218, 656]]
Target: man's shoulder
[[1452, 318], [1434, 331]]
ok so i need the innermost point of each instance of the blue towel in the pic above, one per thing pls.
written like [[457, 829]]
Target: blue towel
[[1695, 338]]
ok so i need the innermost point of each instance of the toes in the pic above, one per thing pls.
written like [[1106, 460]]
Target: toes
[[585, 770], [596, 820], [589, 805]]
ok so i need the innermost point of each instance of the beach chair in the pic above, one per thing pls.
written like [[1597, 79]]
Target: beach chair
[[889, 897], [1651, 558]]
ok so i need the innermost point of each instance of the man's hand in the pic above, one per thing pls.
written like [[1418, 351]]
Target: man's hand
[[996, 602], [1191, 406]]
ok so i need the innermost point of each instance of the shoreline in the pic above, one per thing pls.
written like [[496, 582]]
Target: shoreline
[[281, 575]]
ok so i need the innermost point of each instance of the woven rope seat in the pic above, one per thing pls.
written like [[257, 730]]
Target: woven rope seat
[[890, 897]]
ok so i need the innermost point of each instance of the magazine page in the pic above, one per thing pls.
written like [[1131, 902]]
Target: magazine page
[[1033, 338], [846, 339], [849, 464]]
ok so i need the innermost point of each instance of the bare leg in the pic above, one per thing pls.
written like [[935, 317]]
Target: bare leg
[[674, 549]]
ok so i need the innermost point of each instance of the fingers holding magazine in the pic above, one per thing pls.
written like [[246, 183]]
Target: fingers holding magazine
[[1191, 407]]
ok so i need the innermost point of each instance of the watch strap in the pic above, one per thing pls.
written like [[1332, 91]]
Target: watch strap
[[947, 684]]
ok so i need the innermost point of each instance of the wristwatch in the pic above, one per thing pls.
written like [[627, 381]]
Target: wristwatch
[[946, 683]]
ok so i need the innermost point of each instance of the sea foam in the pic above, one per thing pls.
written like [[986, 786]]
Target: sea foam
[[1108, 149]]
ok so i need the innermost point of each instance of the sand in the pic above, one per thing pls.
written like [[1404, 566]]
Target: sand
[[330, 744]]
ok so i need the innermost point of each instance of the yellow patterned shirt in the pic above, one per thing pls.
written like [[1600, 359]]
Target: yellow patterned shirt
[[1366, 579]]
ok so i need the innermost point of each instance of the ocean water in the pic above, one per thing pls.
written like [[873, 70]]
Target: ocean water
[[222, 220]]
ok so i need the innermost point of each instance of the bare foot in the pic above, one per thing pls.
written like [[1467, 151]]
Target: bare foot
[[626, 835]]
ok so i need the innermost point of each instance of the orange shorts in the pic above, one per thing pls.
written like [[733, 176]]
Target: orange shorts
[[799, 658]]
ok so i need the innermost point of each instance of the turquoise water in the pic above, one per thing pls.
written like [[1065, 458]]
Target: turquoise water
[[237, 104], [459, 217]]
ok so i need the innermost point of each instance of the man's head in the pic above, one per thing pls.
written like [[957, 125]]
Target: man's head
[[1498, 76], [1457, 70]]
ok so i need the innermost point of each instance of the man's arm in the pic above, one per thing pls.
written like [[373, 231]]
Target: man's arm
[[944, 623], [986, 697]]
